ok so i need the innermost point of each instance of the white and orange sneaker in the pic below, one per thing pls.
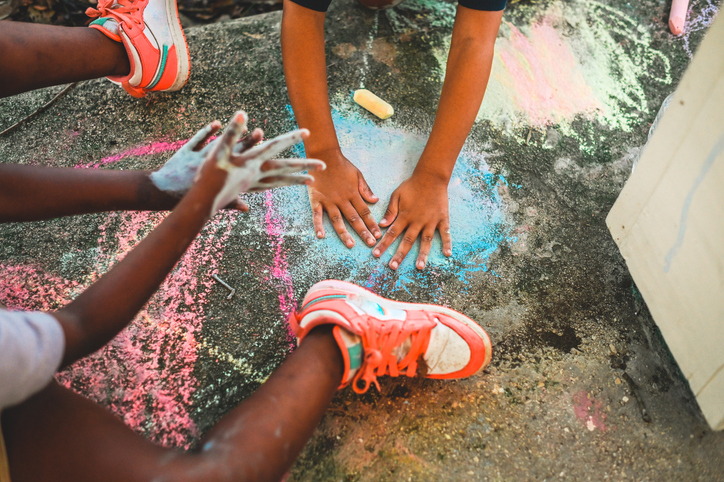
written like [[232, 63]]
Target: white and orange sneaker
[[379, 337], [152, 34]]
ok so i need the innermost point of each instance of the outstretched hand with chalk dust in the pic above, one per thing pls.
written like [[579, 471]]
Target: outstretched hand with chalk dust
[[249, 168]]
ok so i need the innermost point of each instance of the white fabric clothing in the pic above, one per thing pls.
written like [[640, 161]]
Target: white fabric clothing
[[31, 350]]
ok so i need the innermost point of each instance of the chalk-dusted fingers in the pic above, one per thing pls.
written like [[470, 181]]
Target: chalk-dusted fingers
[[365, 190], [406, 244], [393, 230], [388, 238], [281, 181], [281, 172], [364, 210], [274, 146], [317, 215], [289, 166], [337, 219], [426, 237], [391, 211], [368, 230], [246, 143], [198, 141], [231, 166], [222, 150], [444, 228], [177, 175], [233, 132], [238, 205], [355, 220]]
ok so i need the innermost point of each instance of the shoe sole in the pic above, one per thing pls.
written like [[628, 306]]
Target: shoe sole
[[182, 50], [353, 288]]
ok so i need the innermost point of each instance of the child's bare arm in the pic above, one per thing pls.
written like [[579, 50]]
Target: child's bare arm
[[341, 190], [419, 207], [98, 314], [32, 193]]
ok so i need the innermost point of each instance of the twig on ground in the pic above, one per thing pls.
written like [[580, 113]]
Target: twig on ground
[[40, 109]]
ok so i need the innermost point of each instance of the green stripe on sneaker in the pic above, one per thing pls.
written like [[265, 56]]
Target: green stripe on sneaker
[[160, 70], [355, 356], [100, 21], [322, 298]]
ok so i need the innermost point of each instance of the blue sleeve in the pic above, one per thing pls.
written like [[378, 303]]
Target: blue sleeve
[[487, 5], [316, 5]]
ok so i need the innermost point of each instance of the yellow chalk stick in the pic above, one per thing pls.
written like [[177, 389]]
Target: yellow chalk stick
[[372, 103]]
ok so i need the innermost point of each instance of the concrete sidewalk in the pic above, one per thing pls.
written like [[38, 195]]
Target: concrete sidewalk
[[581, 385]]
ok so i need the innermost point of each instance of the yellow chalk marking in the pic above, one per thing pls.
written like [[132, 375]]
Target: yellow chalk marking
[[372, 103]]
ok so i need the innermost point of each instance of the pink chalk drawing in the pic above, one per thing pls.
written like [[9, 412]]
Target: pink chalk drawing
[[575, 59], [588, 410], [274, 225], [27, 287], [549, 85], [145, 375], [158, 147]]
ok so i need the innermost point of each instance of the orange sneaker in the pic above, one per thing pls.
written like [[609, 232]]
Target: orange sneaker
[[379, 337], [152, 34]]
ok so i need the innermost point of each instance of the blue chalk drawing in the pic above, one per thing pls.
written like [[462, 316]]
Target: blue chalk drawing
[[387, 156], [713, 155]]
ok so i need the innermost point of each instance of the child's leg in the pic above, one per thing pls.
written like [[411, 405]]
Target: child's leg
[[59, 435], [34, 56]]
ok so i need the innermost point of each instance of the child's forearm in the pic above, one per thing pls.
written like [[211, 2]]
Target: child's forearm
[[104, 309], [31, 193], [305, 70], [468, 69]]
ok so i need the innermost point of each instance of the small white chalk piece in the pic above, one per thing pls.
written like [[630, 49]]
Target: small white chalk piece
[[372, 103]]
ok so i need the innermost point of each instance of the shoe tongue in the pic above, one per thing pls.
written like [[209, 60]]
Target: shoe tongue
[[376, 310], [353, 344], [109, 26], [401, 351]]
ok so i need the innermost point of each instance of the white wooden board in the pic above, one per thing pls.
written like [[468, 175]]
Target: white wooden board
[[669, 225]]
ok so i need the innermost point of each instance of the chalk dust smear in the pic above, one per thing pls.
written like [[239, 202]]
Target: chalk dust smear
[[387, 156]]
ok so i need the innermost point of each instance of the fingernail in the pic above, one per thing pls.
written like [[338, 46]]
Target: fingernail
[[448, 252], [377, 234], [383, 221], [320, 234], [350, 243], [394, 264], [376, 253], [420, 264], [371, 241]]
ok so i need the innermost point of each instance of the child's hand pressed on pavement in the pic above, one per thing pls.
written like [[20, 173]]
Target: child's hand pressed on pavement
[[342, 191], [417, 208]]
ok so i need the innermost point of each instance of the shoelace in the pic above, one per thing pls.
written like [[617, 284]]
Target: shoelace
[[379, 340], [121, 12]]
